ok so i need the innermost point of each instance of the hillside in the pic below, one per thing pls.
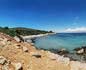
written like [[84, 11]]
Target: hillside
[[24, 56], [22, 31]]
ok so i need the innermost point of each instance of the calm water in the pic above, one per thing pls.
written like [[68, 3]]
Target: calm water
[[61, 40]]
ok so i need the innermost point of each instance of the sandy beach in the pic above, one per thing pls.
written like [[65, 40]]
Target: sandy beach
[[36, 36]]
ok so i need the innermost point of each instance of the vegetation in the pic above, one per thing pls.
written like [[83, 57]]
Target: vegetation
[[22, 31]]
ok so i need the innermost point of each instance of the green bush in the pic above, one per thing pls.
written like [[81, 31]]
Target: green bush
[[22, 31]]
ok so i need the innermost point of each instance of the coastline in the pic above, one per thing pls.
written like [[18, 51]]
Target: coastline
[[24, 55], [36, 36], [31, 38], [62, 51]]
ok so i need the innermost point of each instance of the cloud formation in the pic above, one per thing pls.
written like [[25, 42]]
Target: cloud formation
[[78, 29]]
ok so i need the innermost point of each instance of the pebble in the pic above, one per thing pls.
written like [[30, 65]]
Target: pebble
[[18, 66]]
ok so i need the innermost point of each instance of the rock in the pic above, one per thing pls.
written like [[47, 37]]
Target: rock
[[2, 60], [25, 49], [8, 62], [53, 56], [32, 44], [18, 46], [29, 41], [60, 59], [83, 66], [5, 40], [1, 39], [81, 51], [18, 66], [37, 55], [5, 67], [63, 51], [76, 49], [3, 43], [17, 39], [66, 60], [84, 47], [74, 65]]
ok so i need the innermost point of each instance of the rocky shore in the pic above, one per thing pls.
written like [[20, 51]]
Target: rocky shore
[[16, 55]]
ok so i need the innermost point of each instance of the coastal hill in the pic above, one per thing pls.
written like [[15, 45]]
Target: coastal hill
[[24, 56], [22, 31]]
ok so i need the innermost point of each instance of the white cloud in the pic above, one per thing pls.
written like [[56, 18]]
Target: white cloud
[[78, 29]]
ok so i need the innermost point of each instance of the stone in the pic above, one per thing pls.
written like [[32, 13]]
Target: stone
[[18, 46], [17, 39], [80, 51], [2, 60], [8, 62], [60, 59], [53, 56], [76, 49], [29, 41], [32, 44], [63, 51], [25, 49], [37, 55], [83, 66], [5, 67], [3, 43], [75, 65], [66, 60], [18, 66], [1, 39]]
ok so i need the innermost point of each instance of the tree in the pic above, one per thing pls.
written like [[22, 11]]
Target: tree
[[6, 28], [50, 31]]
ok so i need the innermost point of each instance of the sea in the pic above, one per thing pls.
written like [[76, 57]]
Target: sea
[[69, 41]]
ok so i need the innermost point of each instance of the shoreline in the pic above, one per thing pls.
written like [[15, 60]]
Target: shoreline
[[31, 38], [21, 53], [36, 36]]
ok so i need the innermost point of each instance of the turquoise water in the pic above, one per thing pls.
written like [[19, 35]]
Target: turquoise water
[[62, 40]]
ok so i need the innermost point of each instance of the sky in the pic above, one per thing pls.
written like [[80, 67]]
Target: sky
[[55, 15]]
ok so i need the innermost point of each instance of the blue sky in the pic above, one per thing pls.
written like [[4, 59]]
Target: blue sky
[[56, 15]]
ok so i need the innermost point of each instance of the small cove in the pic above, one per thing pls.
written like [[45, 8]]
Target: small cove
[[69, 41]]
